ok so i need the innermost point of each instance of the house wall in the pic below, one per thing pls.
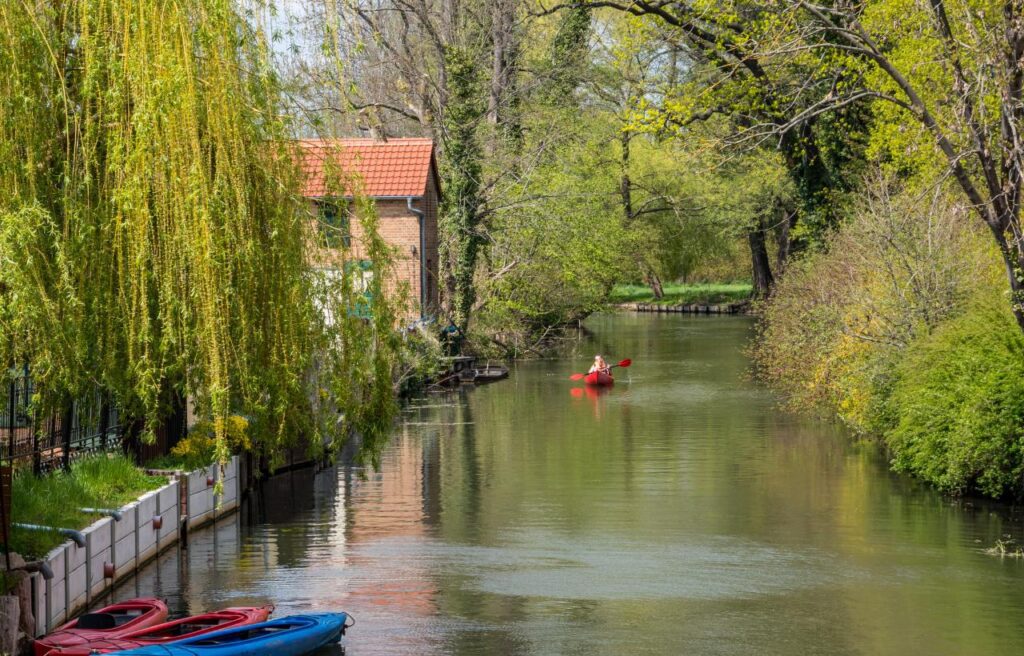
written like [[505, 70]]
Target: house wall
[[400, 229]]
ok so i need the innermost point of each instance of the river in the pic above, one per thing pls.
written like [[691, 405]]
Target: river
[[680, 512]]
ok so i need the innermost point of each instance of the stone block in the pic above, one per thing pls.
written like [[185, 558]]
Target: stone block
[[171, 512], [76, 555], [145, 511], [124, 556], [57, 594], [126, 526], [76, 588]]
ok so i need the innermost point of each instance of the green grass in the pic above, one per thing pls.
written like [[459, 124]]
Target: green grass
[[54, 500], [677, 293]]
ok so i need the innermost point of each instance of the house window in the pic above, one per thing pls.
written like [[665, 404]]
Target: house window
[[334, 223]]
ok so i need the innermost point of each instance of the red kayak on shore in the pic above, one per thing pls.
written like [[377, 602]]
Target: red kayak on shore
[[114, 621], [168, 632]]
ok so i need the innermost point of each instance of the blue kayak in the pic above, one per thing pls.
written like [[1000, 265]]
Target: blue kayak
[[286, 636]]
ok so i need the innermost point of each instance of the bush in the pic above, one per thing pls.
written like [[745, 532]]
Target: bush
[[958, 401], [840, 320], [199, 448]]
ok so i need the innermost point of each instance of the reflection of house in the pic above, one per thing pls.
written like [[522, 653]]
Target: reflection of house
[[400, 176]]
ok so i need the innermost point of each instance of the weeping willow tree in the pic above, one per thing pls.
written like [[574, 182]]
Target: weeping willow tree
[[151, 234]]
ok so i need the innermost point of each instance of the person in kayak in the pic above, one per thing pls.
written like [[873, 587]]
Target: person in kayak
[[599, 365]]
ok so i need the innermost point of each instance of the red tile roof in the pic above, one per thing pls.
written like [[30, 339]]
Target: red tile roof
[[396, 167]]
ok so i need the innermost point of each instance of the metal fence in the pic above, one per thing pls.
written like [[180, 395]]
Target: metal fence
[[87, 425]]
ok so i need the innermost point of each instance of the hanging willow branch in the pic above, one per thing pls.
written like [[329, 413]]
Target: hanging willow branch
[[151, 234]]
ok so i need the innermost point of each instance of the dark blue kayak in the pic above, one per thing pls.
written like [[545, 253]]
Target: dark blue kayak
[[286, 636]]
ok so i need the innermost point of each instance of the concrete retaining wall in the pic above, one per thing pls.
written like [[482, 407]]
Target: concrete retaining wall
[[115, 549]]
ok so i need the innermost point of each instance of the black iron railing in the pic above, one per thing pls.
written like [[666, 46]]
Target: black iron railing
[[87, 425]]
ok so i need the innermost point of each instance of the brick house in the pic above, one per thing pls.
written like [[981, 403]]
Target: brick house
[[400, 176]]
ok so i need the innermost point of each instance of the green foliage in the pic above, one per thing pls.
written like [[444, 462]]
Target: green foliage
[[459, 223], [199, 448], [958, 405], [152, 236], [840, 320], [361, 357], [150, 233], [54, 500], [893, 329]]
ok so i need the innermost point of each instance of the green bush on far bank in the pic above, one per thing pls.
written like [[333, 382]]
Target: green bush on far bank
[[684, 293], [102, 481]]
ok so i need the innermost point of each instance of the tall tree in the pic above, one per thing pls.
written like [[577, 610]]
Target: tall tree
[[460, 217], [150, 232], [726, 75], [968, 103]]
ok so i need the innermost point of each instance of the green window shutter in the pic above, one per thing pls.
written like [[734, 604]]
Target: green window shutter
[[335, 224]]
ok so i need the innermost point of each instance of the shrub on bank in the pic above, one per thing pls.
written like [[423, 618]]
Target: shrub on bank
[[958, 405], [840, 320], [900, 328], [199, 448]]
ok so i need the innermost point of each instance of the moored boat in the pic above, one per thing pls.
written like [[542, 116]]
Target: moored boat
[[599, 378], [286, 636], [112, 621], [180, 629]]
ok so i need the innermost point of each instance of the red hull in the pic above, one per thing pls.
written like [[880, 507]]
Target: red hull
[[169, 632], [599, 378], [126, 617]]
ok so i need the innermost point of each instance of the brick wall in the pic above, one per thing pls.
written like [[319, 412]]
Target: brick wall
[[400, 229]]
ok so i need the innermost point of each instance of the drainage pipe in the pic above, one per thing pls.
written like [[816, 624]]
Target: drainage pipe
[[110, 512], [75, 536], [423, 253]]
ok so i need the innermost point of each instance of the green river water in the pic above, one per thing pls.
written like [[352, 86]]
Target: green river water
[[681, 512]]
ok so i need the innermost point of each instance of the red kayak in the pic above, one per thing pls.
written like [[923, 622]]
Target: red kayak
[[187, 627], [114, 621], [599, 378]]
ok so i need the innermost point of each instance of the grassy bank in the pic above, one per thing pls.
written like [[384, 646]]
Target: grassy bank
[[681, 293], [55, 499]]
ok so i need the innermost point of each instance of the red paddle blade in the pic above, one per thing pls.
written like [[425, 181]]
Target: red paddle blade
[[625, 363], [577, 376]]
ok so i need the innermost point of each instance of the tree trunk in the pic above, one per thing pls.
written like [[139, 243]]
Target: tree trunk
[[1013, 261], [502, 101], [654, 282], [625, 184], [786, 221], [760, 263]]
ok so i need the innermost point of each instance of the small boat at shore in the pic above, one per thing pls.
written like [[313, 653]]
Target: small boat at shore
[[114, 621], [599, 378], [173, 631], [286, 636]]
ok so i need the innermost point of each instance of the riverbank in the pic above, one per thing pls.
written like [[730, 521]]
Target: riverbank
[[907, 336], [85, 568], [683, 294], [69, 500]]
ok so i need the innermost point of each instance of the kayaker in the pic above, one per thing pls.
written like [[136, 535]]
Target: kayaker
[[599, 365]]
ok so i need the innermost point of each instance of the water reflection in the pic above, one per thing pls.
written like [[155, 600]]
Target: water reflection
[[677, 512]]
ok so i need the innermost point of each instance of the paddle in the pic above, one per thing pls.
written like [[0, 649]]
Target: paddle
[[624, 363]]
